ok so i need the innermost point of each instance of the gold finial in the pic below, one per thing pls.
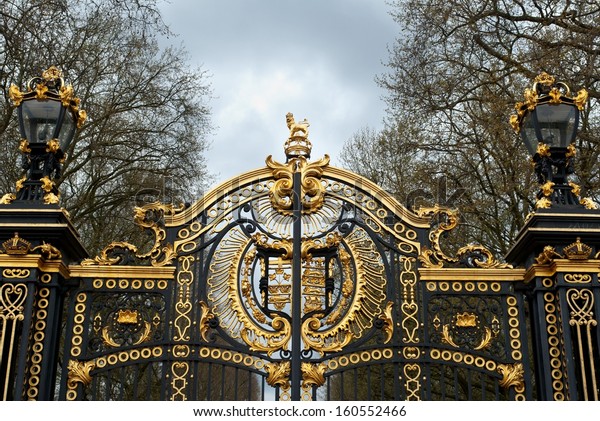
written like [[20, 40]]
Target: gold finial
[[51, 73], [297, 145], [545, 79]]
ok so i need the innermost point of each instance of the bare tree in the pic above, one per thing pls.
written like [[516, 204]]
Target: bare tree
[[455, 73], [148, 113]]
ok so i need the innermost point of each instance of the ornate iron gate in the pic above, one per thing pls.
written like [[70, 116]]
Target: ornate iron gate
[[297, 281]]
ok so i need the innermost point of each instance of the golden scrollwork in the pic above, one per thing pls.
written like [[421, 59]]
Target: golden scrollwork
[[578, 278], [313, 191], [313, 339], [79, 372], [12, 301], [365, 306], [512, 376], [313, 374], [205, 318], [434, 257], [125, 317], [412, 374], [467, 320], [16, 273], [183, 306], [581, 306], [179, 382], [150, 216], [103, 259], [278, 374], [388, 322]]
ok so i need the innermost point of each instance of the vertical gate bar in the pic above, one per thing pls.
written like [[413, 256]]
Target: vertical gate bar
[[25, 332], [591, 358], [296, 372]]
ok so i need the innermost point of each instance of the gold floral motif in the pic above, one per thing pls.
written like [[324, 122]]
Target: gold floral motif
[[512, 375], [313, 374], [466, 319], [7, 199], [24, 146], [543, 203], [278, 374], [20, 183], [127, 317], [547, 188], [313, 191], [588, 203], [15, 95], [79, 372], [51, 199]]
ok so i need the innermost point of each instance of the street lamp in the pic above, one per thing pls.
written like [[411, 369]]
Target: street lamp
[[48, 114], [547, 121]]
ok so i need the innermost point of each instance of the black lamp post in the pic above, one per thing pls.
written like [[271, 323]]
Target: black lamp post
[[547, 121], [49, 114]]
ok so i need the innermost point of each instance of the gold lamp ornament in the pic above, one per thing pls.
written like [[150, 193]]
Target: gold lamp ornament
[[547, 121], [49, 115]]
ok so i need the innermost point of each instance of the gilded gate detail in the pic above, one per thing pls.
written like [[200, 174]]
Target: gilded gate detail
[[299, 280]]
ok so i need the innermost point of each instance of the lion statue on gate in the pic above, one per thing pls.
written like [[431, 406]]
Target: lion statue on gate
[[296, 128]]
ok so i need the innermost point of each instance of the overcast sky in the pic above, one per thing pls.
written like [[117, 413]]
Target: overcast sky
[[315, 58]]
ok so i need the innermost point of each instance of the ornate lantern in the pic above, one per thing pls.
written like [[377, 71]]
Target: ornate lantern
[[547, 122], [49, 114]]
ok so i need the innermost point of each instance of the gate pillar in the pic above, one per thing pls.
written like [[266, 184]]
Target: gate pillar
[[560, 250], [38, 242]]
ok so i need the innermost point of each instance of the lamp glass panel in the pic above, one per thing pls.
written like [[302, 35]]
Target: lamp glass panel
[[557, 123], [528, 134], [40, 119], [67, 130]]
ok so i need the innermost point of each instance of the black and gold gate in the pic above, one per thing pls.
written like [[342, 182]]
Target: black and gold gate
[[297, 281]]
